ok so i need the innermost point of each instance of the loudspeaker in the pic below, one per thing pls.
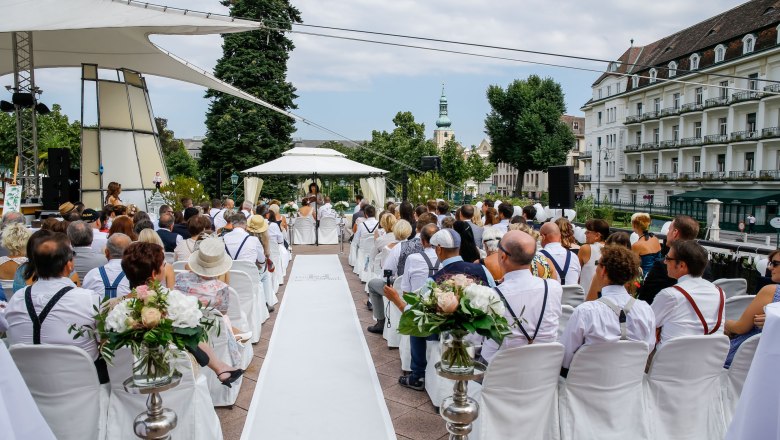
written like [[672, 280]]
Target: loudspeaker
[[561, 185], [74, 191], [59, 162], [55, 192], [430, 163]]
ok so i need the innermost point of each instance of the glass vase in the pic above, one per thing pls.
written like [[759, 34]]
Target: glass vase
[[151, 366], [457, 353]]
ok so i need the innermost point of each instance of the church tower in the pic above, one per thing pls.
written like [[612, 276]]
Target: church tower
[[443, 132]]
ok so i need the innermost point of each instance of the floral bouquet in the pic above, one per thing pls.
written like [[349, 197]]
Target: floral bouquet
[[341, 207], [290, 208], [151, 320], [456, 307]]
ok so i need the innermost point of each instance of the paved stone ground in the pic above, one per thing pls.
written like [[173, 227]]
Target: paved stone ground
[[414, 417]]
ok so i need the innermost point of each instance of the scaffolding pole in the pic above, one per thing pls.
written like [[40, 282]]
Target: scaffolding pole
[[26, 117]]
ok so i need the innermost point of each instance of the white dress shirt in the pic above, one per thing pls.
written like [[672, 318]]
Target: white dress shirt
[[252, 250], [99, 240], [275, 233], [558, 253], [416, 270], [502, 226], [94, 282], [366, 227], [521, 289], [247, 213], [75, 307], [675, 316], [325, 211], [218, 217], [594, 322]]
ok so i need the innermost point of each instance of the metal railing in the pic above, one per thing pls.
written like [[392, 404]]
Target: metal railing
[[745, 95], [690, 176], [586, 154], [670, 111], [742, 174], [691, 141], [649, 115], [771, 132], [667, 176], [650, 176], [769, 174], [744, 135], [631, 177], [668, 144], [650, 146], [716, 102], [716, 139], [714, 175], [633, 147], [633, 119], [772, 88], [691, 107], [585, 178]]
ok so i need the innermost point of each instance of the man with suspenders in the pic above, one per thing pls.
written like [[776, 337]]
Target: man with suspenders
[[616, 315], [693, 306], [533, 305], [565, 262], [109, 281]]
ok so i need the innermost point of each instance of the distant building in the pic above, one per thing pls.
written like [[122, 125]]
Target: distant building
[[193, 146], [443, 131]]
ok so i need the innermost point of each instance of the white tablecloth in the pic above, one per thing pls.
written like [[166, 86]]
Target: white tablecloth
[[758, 411], [318, 380]]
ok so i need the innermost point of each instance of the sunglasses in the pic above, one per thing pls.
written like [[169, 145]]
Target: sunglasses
[[774, 263], [503, 250]]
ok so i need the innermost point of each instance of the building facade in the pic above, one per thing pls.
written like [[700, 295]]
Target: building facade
[[444, 131], [696, 113]]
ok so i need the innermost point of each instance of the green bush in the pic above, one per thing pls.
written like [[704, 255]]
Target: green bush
[[181, 187]]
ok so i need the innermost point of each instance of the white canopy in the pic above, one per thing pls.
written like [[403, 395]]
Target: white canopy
[[114, 34], [307, 161]]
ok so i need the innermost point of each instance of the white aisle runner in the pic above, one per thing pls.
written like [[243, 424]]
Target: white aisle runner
[[318, 380]]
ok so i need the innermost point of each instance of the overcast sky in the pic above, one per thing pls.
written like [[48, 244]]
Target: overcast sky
[[354, 87]]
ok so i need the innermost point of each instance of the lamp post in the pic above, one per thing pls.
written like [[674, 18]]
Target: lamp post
[[234, 182]]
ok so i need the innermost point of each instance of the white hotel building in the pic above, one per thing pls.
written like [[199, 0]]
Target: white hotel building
[[690, 117]]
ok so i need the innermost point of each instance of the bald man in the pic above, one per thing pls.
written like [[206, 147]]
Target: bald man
[[537, 299], [566, 263], [109, 280]]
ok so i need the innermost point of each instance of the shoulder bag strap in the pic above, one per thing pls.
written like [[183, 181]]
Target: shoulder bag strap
[[698, 312], [37, 320]]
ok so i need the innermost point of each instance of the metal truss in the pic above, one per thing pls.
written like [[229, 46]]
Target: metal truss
[[26, 118]]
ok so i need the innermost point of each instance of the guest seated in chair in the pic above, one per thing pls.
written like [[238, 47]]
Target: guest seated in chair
[[616, 315], [15, 237], [109, 281]]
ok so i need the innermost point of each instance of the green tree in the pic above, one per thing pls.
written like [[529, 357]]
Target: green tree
[[453, 164], [241, 134], [54, 131], [479, 169], [525, 126], [425, 186], [177, 160]]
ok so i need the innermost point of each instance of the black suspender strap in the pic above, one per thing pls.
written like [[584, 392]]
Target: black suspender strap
[[530, 339], [561, 272], [238, 252], [37, 320], [431, 268], [370, 231]]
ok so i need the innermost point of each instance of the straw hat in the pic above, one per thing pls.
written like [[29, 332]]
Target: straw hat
[[66, 207], [211, 259], [256, 224]]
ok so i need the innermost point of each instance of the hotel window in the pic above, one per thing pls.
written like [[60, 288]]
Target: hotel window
[[639, 109], [675, 165], [750, 161], [750, 122], [724, 89], [657, 105], [675, 133], [655, 166], [696, 164], [720, 53], [609, 90], [638, 137], [669, 195], [633, 196], [699, 96], [694, 61], [676, 101], [575, 125], [697, 129], [672, 69], [635, 81], [656, 136], [600, 93], [721, 163], [653, 75], [638, 166], [722, 126], [753, 81], [748, 43]]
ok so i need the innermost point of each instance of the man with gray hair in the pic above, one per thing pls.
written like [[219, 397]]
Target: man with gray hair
[[84, 257], [246, 208], [242, 246], [11, 217], [169, 238], [109, 280]]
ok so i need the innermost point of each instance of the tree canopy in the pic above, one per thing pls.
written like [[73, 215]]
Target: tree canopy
[[525, 126], [453, 163], [177, 160], [241, 134], [478, 168], [54, 131]]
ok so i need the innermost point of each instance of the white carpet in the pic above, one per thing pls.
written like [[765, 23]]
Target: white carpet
[[318, 380]]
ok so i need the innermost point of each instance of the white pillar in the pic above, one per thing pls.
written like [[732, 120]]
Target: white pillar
[[713, 218]]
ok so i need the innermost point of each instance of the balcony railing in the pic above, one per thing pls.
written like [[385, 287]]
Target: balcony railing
[[769, 174], [633, 147], [649, 115], [650, 176], [667, 176], [586, 154], [772, 88], [585, 178], [745, 95], [745, 135], [691, 107], [690, 176], [715, 139], [650, 146], [631, 177], [741, 175], [714, 175], [771, 132], [716, 102], [670, 111], [667, 144], [633, 119], [691, 141]]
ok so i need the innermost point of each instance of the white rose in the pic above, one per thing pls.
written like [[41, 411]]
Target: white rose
[[496, 305], [479, 297], [118, 316], [183, 310]]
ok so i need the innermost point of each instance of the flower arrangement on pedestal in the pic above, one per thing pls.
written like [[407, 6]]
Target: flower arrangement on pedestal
[[454, 308], [153, 322], [290, 208], [341, 207]]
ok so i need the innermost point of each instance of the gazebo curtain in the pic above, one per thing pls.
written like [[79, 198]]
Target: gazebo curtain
[[252, 188]]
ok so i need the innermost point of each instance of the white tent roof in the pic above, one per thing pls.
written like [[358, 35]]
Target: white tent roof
[[114, 34], [307, 161]]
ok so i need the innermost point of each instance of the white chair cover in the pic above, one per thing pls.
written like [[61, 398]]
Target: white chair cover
[[239, 321], [8, 288], [250, 305], [21, 415], [262, 282], [683, 385], [736, 305], [566, 311], [277, 276], [218, 340], [732, 286], [518, 398], [602, 397], [437, 387], [170, 257], [734, 377], [179, 265], [757, 410], [303, 230], [390, 332], [573, 295], [364, 262], [190, 400], [353, 249], [329, 231]]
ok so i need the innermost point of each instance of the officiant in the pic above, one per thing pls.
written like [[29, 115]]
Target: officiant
[[314, 196]]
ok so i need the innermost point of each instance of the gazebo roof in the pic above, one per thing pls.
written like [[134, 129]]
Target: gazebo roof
[[307, 161]]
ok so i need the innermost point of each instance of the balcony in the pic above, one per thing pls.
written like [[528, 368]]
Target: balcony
[[585, 178], [742, 175], [772, 88], [714, 175], [650, 146], [746, 95], [771, 132], [649, 176], [649, 115], [667, 176], [691, 142], [586, 155], [716, 102], [633, 147], [745, 135], [715, 139], [631, 177], [690, 176], [769, 174], [667, 144], [635, 119], [691, 107], [669, 111]]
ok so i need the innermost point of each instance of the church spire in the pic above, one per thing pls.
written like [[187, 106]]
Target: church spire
[[444, 120]]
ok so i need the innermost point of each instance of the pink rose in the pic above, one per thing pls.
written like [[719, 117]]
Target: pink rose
[[447, 302], [141, 292]]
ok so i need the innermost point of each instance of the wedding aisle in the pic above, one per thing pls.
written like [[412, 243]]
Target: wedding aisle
[[318, 379]]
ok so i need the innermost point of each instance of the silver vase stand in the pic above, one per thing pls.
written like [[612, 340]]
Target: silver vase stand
[[157, 422], [460, 410]]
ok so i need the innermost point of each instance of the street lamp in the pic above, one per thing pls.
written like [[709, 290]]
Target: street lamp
[[234, 182]]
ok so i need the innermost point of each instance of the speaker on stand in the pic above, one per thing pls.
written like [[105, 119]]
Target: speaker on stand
[[561, 185], [56, 187]]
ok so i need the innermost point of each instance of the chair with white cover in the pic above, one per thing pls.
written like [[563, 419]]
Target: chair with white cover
[[250, 303], [518, 397], [732, 286], [63, 382], [218, 340], [19, 415], [277, 276], [573, 295], [353, 249], [179, 265], [735, 376], [303, 230], [363, 261], [736, 305], [566, 311], [264, 289], [170, 257], [238, 320], [329, 230], [190, 400], [602, 396], [392, 317], [684, 390]]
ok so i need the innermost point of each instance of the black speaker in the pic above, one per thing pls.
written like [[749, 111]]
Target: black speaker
[[74, 192], [561, 184], [430, 163], [59, 162], [56, 191]]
